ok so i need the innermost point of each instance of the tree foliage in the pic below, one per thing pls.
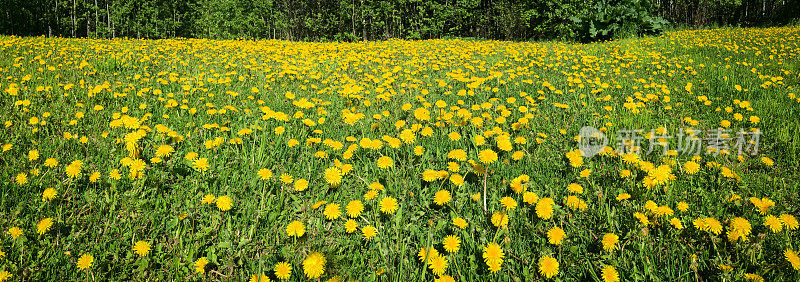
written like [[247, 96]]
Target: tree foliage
[[353, 20], [609, 18]]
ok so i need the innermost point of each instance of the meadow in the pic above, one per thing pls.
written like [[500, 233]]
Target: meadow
[[444, 160]]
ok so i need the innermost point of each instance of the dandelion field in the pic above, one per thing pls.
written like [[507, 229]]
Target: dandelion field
[[447, 160]]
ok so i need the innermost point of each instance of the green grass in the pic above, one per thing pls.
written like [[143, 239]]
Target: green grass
[[163, 207]]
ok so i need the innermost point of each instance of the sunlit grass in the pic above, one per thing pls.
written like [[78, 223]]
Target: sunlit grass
[[215, 155]]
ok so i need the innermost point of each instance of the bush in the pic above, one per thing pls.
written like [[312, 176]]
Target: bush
[[617, 18]]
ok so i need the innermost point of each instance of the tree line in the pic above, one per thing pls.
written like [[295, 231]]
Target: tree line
[[353, 20]]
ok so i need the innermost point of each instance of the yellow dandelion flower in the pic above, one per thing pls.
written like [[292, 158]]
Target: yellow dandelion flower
[[457, 154], [286, 178], [487, 156], [201, 164], [773, 223], [141, 248], [21, 179], [762, 204], [575, 188], [15, 232], [495, 266], [642, 218], [610, 241], [375, 186], [350, 226], [753, 277], [33, 155], [114, 174], [419, 150], [200, 265], [790, 221], [544, 208], [296, 229], [476, 197], [548, 267], [224, 203], [556, 235], [371, 194], [259, 278], [460, 222], [424, 253], [300, 185], [508, 203], [385, 162], [792, 258], [610, 274], [430, 175], [314, 265], [441, 197], [164, 151], [85, 261], [691, 167], [530, 197], [49, 194], [493, 254], [354, 208], [332, 211], [445, 278], [438, 264], [44, 225], [94, 177], [369, 232], [208, 199], [675, 222], [708, 224], [451, 244], [264, 174], [333, 176], [500, 219], [283, 270], [739, 228], [388, 205], [575, 203]]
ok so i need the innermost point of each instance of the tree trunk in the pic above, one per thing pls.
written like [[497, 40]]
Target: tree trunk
[[74, 18], [113, 28], [96, 17], [8, 18], [55, 14], [363, 23]]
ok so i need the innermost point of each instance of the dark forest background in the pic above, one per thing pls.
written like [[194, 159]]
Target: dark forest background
[[353, 20]]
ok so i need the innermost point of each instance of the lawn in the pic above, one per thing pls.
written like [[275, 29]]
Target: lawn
[[190, 159]]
